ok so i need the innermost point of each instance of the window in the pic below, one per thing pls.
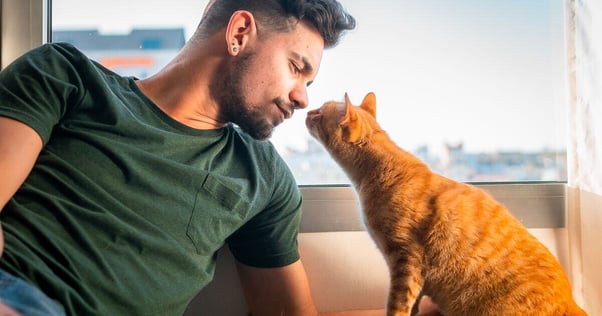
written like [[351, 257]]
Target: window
[[475, 88]]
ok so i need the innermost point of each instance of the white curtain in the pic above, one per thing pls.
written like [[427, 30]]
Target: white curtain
[[584, 65], [584, 38]]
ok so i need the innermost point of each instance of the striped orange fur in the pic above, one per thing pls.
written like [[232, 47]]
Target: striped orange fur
[[441, 238]]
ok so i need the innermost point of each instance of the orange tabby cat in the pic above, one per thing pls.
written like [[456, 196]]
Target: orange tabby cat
[[441, 238]]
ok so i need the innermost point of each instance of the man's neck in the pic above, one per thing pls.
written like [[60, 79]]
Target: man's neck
[[182, 91]]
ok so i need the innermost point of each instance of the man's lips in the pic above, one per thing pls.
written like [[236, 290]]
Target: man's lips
[[287, 111]]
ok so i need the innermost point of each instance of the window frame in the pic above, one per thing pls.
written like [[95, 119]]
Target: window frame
[[25, 27], [536, 204]]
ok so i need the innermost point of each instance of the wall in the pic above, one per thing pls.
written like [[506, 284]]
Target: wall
[[345, 270], [15, 28], [584, 53]]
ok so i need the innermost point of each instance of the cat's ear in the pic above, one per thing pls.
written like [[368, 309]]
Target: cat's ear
[[350, 124], [350, 115], [369, 104]]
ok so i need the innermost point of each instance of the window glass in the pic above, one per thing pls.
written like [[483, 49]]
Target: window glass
[[473, 87]]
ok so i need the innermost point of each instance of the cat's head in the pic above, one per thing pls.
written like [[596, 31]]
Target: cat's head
[[337, 123]]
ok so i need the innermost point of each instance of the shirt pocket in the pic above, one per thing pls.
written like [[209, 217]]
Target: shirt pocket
[[219, 210]]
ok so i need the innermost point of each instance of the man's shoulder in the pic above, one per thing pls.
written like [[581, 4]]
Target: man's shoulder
[[63, 49], [62, 46], [56, 58]]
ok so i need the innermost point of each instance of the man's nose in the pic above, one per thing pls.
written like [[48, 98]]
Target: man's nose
[[299, 97]]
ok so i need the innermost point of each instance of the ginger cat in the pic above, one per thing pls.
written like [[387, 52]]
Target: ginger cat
[[441, 238]]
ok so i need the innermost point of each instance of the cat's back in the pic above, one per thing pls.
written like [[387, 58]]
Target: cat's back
[[484, 261]]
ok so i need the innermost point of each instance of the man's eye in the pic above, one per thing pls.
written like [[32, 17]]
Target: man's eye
[[296, 68]]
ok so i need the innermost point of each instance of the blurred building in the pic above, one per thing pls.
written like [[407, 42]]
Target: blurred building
[[140, 53], [315, 166]]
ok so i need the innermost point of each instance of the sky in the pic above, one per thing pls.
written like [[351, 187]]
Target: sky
[[486, 73]]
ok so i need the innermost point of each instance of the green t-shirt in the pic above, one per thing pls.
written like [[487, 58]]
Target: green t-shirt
[[125, 207]]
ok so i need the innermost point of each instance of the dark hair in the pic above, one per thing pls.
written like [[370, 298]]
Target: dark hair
[[328, 17]]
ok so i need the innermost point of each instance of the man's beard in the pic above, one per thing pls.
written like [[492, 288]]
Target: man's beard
[[233, 106]]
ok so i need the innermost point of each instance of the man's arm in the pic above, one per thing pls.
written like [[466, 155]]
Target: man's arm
[[277, 291], [20, 146]]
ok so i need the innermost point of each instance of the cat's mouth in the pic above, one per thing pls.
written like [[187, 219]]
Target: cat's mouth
[[309, 118], [311, 122]]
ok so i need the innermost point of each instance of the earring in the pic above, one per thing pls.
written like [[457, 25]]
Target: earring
[[234, 47]]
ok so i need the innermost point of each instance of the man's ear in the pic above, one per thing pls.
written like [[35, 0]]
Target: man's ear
[[240, 29]]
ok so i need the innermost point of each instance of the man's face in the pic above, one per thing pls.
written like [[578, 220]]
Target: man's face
[[268, 80]]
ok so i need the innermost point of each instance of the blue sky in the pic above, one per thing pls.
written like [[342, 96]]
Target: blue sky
[[483, 72]]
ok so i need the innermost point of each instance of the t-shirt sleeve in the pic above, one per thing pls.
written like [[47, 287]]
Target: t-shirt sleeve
[[37, 87], [269, 239]]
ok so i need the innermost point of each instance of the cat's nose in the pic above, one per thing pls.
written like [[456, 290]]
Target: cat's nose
[[313, 113], [309, 119]]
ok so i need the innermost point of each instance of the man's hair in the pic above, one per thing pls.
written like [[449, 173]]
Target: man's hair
[[328, 17]]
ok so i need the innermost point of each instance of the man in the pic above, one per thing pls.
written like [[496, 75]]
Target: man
[[117, 192]]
